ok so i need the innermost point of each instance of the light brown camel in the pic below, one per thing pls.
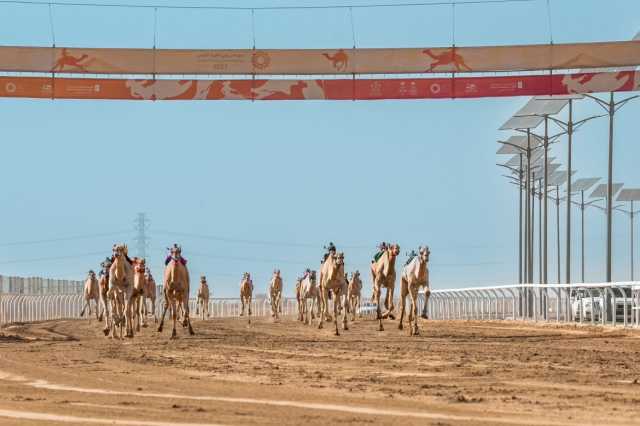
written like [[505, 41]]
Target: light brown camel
[[137, 295], [275, 294], [91, 292], [383, 272], [415, 275], [149, 295], [309, 297], [202, 307], [176, 291], [299, 298], [332, 280], [246, 293], [120, 290], [354, 293], [103, 284]]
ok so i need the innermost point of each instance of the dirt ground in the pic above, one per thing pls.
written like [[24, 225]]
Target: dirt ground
[[285, 373]]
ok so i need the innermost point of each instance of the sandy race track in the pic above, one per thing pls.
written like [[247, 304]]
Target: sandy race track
[[285, 373]]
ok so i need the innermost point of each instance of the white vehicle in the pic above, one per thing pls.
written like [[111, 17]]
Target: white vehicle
[[584, 306]]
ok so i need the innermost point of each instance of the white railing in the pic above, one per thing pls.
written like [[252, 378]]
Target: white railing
[[604, 303], [27, 308]]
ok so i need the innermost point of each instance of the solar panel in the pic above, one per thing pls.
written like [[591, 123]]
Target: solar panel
[[530, 122], [559, 178], [507, 147], [538, 106], [584, 184], [629, 194], [601, 190]]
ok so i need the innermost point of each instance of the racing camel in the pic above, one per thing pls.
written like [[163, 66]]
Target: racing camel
[[175, 287], [137, 295], [91, 292], [202, 307], [309, 297], [246, 293], [383, 272], [332, 280], [354, 293], [103, 285], [120, 290], [275, 294], [149, 295], [415, 275]]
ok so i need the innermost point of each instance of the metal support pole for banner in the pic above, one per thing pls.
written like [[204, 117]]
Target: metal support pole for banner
[[631, 214], [569, 172], [529, 210], [540, 214], [582, 235], [520, 173], [546, 194], [610, 187], [558, 228]]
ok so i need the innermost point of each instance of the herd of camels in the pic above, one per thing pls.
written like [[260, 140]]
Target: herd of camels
[[125, 286]]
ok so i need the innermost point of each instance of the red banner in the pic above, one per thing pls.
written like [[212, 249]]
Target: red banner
[[78, 60], [340, 89]]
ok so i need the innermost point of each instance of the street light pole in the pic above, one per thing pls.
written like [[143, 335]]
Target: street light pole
[[582, 233], [558, 227], [612, 106], [545, 189], [569, 171]]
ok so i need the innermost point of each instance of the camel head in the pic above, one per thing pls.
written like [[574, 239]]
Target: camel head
[[92, 275], [339, 259], [147, 272], [424, 254], [139, 265], [355, 275], [119, 251], [203, 279], [394, 250], [276, 273]]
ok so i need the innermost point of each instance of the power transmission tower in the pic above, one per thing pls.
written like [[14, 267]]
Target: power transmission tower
[[142, 240]]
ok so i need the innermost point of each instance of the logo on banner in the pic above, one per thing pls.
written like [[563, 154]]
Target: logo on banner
[[260, 60], [339, 60], [435, 88], [471, 88], [10, 87], [375, 89]]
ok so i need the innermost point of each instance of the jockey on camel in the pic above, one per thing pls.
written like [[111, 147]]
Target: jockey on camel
[[177, 249]]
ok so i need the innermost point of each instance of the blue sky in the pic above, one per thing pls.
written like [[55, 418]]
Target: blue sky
[[254, 186]]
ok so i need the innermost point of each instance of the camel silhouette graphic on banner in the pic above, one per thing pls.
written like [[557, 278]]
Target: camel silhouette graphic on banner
[[447, 57], [67, 60], [340, 60]]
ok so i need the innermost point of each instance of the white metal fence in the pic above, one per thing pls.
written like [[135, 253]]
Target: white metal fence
[[602, 303]]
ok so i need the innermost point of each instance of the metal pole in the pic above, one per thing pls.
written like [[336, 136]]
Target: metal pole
[[546, 176], [632, 257], [540, 255], [582, 233], [520, 223], [612, 107], [529, 209], [558, 227], [568, 242]]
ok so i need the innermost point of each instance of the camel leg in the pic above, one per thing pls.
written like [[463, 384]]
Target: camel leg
[[187, 316], [335, 310], [390, 293], [413, 294], [164, 312], [427, 294], [174, 317], [323, 306], [376, 295], [249, 308], [84, 307], [242, 301], [403, 295], [345, 313]]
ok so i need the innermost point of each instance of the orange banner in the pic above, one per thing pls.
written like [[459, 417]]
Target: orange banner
[[317, 61], [339, 89]]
